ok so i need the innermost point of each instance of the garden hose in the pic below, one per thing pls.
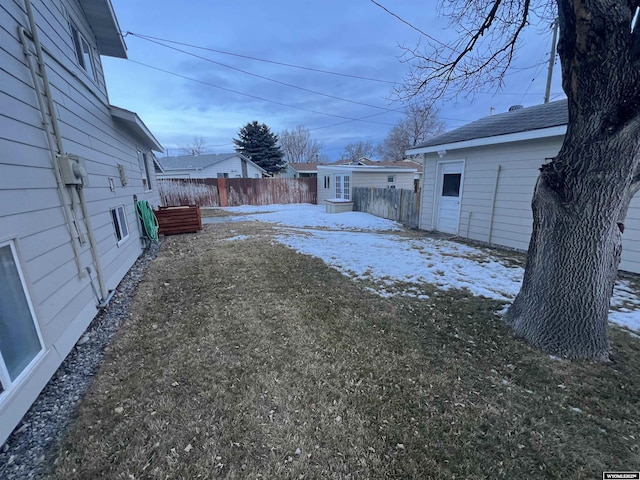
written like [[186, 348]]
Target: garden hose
[[148, 219]]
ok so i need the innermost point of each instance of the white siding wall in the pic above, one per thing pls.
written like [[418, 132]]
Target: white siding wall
[[231, 166], [360, 178], [379, 179], [30, 211], [512, 219]]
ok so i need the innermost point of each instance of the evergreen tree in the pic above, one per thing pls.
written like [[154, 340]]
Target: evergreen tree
[[257, 142]]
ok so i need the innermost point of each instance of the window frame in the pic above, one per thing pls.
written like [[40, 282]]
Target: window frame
[[343, 187], [143, 161], [6, 384], [84, 52], [117, 221]]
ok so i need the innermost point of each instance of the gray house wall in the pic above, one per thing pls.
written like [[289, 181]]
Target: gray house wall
[[512, 220], [31, 216]]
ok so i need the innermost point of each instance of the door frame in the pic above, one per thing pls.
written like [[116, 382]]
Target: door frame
[[438, 190]]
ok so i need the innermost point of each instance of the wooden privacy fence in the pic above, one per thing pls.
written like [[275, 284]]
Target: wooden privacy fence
[[394, 204], [232, 192]]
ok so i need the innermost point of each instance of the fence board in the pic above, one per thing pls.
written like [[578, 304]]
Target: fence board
[[391, 203], [231, 192]]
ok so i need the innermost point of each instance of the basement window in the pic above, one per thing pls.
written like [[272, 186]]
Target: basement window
[[20, 338], [120, 224]]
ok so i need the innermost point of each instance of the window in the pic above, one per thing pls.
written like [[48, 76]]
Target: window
[[84, 52], [343, 188], [451, 184], [143, 160], [120, 224], [327, 181], [223, 175], [20, 341], [391, 179]]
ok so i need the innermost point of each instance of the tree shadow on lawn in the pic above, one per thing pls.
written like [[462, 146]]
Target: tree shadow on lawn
[[245, 359]]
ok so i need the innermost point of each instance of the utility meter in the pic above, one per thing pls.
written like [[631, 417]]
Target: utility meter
[[73, 170]]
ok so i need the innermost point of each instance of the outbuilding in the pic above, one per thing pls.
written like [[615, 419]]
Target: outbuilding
[[479, 178], [336, 182]]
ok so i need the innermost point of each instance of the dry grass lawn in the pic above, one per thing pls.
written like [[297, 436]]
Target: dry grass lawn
[[243, 359]]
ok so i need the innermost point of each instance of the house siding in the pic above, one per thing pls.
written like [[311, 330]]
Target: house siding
[[361, 178], [231, 166], [512, 217], [30, 212]]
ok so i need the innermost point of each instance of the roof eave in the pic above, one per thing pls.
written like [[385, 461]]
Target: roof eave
[[105, 26], [548, 132], [368, 168], [133, 123]]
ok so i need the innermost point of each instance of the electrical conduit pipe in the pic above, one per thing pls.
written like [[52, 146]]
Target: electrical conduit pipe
[[60, 150]]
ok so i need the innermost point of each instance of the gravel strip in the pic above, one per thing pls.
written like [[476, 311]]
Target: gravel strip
[[30, 450]]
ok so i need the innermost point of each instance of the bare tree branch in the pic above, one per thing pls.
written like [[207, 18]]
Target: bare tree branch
[[298, 146], [489, 31], [197, 147]]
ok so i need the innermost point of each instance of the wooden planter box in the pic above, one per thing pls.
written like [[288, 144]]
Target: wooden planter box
[[174, 220]]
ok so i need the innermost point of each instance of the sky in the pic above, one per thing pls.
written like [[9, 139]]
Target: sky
[[362, 246], [183, 94]]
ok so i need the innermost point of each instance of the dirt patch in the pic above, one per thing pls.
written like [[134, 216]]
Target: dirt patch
[[245, 359]]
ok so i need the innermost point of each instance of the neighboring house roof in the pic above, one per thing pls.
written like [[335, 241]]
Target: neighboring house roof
[[304, 167], [199, 162], [374, 163], [105, 26], [132, 122], [544, 120], [390, 168], [402, 164]]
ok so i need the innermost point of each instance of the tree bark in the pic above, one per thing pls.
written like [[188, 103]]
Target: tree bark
[[582, 196], [572, 246]]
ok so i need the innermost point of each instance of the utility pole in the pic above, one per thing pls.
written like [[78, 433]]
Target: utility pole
[[552, 59]]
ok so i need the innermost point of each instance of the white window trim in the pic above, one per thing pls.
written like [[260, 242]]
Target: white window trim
[[345, 193], [117, 218], [79, 41], [5, 378]]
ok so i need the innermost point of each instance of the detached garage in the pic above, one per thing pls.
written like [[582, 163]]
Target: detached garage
[[479, 178]]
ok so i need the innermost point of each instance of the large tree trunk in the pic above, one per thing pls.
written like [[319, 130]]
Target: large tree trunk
[[571, 268], [582, 195]]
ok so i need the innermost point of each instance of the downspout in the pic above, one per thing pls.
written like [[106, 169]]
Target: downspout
[[60, 150], [493, 202]]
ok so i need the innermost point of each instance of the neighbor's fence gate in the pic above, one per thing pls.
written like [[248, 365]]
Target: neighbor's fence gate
[[394, 204], [232, 192]]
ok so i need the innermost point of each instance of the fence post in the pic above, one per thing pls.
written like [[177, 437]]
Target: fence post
[[222, 191]]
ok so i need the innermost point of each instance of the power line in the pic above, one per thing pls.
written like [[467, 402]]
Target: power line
[[269, 79], [249, 57], [433, 39], [261, 98]]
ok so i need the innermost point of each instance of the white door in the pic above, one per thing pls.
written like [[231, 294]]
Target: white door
[[343, 187], [449, 192]]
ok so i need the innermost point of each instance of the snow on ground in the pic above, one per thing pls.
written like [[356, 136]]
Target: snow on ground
[[313, 216], [353, 244]]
